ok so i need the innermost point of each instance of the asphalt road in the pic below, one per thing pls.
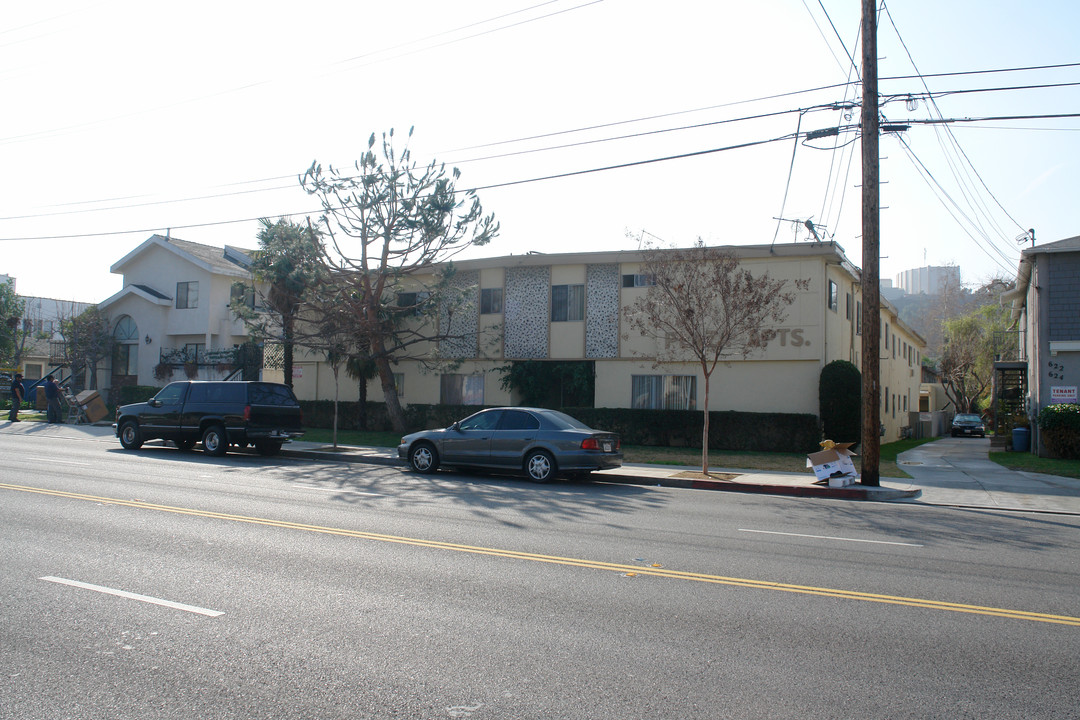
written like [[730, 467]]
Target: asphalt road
[[162, 584]]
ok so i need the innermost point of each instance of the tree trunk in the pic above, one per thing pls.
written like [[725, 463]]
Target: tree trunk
[[362, 402], [705, 431], [393, 407], [336, 394], [287, 364]]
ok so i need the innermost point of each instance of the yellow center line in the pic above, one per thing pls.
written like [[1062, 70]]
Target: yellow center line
[[573, 562]]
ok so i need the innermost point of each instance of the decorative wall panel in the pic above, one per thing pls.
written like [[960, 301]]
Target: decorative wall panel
[[526, 312], [602, 311], [461, 321]]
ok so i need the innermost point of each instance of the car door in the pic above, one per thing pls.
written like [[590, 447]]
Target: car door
[[514, 435], [469, 442], [161, 416]]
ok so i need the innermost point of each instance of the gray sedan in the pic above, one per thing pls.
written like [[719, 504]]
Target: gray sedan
[[541, 443]]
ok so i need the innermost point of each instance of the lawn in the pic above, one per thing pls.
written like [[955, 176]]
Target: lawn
[[1032, 463], [780, 462]]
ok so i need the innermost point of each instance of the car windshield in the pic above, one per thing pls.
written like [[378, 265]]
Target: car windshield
[[564, 421], [967, 418]]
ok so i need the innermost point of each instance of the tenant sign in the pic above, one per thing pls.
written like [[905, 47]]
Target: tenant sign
[[1063, 393]]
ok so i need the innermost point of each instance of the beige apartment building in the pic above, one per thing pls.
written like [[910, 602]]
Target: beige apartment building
[[568, 307]]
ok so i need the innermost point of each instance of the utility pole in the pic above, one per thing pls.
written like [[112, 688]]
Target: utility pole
[[871, 293]]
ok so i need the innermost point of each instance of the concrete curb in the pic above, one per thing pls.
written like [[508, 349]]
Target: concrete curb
[[851, 492]]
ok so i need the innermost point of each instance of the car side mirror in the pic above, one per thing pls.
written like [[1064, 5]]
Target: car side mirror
[[456, 427], [154, 402]]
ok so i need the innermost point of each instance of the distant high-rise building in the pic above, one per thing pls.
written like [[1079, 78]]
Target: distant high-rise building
[[929, 280]]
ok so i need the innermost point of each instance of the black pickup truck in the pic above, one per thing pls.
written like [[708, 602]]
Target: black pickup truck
[[218, 414]]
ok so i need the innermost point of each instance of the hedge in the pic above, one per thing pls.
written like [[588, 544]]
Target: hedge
[[1059, 429], [728, 430]]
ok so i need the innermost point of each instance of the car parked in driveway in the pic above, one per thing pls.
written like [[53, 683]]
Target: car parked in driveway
[[538, 442], [968, 424]]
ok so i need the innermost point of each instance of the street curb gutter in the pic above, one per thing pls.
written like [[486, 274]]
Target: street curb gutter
[[845, 493]]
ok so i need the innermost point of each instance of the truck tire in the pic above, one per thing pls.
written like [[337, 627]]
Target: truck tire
[[130, 435], [214, 441]]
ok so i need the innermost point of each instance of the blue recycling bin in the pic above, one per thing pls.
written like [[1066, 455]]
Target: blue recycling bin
[[1021, 440]]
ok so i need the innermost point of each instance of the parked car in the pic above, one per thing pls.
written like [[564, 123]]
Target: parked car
[[540, 443], [218, 414], [968, 424]]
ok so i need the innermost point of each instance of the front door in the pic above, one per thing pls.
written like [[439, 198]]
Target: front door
[[470, 442]]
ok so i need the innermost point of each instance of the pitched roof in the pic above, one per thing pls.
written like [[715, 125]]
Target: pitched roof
[[227, 261]]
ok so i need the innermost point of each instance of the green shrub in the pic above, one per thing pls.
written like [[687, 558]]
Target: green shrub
[[840, 401], [1059, 429]]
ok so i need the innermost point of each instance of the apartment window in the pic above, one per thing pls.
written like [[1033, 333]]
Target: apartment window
[[886, 336], [414, 300], [399, 384], [567, 303], [187, 295], [126, 358], [663, 392], [243, 295], [858, 317], [638, 280], [847, 307], [491, 301], [457, 389], [834, 296]]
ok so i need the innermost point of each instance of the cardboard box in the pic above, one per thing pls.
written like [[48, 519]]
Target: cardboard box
[[92, 404], [40, 402], [834, 465]]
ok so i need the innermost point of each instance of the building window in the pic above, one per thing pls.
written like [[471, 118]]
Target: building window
[[399, 384], [126, 358], [567, 303], [187, 295], [834, 296], [243, 295], [638, 280], [414, 300], [663, 392], [886, 336], [847, 307], [858, 317], [194, 352], [457, 389], [491, 301]]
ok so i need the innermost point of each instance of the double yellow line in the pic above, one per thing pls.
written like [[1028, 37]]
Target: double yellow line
[[629, 570]]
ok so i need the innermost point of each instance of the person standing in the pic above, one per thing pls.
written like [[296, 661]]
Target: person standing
[[52, 397], [17, 393]]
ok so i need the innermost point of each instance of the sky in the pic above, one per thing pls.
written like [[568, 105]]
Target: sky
[[584, 124]]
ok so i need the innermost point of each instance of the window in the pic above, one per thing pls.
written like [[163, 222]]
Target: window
[[858, 317], [32, 371], [187, 295], [194, 352], [567, 303], [886, 336], [243, 295], [834, 296], [172, 394], [847, 308], [638, 280], [484, 420], [518, 420], [663, 392], [457, 389], [414, 300], [267, 394], [126, 359], [491, 301], [399, 384]]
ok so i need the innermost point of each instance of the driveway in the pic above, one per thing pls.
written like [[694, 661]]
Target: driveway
[[958, 471]]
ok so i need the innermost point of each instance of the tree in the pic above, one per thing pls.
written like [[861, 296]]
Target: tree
[[12, 334], [288, 264], [972, 342], [840, 401], [389, 225], [88, 339], [701, 306]]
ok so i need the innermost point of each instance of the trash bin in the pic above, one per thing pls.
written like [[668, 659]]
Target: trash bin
[[1021, 439]]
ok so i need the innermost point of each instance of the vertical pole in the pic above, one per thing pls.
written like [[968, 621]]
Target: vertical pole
[[871, 341]]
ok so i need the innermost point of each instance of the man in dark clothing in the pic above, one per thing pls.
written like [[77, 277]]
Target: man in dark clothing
[[16, 397], [52, 396]]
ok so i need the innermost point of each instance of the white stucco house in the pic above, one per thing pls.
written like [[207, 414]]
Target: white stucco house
[[172, 317]]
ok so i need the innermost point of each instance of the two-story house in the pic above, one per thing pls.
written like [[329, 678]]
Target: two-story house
[[568, 308], [173, 314]]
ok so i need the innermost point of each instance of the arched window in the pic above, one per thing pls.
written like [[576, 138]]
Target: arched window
[[126, 333]]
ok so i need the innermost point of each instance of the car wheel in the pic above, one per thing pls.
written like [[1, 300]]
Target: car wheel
[[214, 441], [540, 466], [130, 436], [423, 458], [268, 447], [184, 444]]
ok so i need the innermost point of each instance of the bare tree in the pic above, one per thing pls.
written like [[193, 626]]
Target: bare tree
[[701, 306], [389, 224], [967, 358]]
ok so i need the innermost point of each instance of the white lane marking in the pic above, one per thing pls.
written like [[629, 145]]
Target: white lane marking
[[133, 596], [338, 490], [828, 537]]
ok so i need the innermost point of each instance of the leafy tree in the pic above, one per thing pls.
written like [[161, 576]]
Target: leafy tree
[[11, 312], [287, 266], [389, 224], [550, 384], [703, 307], [88, 339], [966, 366], [361, 367]]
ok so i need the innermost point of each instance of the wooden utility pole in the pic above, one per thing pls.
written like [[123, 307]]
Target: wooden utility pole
[[871, 293]]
